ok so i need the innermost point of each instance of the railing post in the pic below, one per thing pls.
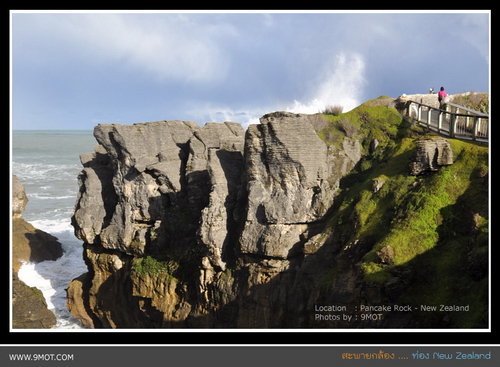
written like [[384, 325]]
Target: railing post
[[475, 127], [452, 125], [472, 127], [487, 133], [440, 120]]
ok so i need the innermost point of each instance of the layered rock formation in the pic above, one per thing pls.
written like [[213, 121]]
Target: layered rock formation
[[291, 181], [189, 226], [29, 308], [431, 154], [214, 227]]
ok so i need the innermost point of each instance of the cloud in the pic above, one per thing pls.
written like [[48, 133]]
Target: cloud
[[178, 48], [474, 29], [131, 67], [166, 47], [342, 84]]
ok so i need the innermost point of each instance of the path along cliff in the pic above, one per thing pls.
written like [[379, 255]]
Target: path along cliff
[[217, 227]]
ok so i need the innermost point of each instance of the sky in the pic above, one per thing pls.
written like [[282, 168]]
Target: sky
[[74, 70]]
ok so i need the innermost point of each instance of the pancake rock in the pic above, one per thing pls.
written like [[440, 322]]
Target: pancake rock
[[189, 226]]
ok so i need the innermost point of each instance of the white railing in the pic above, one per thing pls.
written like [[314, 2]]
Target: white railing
[[455, 121]]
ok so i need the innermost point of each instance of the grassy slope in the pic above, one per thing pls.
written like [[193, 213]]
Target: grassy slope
[[434, 223]]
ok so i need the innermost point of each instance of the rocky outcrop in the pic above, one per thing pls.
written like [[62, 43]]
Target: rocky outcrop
[[205, 226], [430, 154], [29, 243], [19, 198], [214, 227], [142, 193], [29, 308], [291, 178]]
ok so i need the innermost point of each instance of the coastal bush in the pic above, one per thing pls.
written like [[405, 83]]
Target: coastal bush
[[334, 110], [473, 100]]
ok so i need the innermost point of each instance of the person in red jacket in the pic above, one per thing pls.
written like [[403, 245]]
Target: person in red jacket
[[441, 96]]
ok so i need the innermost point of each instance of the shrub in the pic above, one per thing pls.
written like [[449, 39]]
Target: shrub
[[474, 100], [333, 110]]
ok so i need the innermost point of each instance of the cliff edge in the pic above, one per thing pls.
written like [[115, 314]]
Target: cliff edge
[[188, 216], [214, 227]]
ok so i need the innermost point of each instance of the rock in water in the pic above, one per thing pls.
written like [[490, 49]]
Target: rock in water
[[19, 198], [29, 309], [29, 243]]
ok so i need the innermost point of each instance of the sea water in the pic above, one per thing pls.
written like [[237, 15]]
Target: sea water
[[47, 163]]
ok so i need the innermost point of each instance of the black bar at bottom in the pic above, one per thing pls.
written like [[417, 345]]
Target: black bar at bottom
[[292, 355]]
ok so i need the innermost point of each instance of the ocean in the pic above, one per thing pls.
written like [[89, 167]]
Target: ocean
[[47, 162]]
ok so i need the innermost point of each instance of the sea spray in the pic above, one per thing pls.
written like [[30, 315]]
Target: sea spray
[[340, 83], [47, 163], [52, 277]]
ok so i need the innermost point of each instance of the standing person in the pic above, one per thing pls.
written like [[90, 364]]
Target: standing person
[[441, 96]]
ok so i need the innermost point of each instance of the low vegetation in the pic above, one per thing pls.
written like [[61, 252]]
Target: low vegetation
[[437, 224], [474, 100], [371, 120], [334, 110], [150, 266]]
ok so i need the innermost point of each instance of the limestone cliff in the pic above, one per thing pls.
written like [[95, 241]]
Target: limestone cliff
[[183, 223], [214, 227]]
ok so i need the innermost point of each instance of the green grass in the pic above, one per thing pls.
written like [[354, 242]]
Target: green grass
[[369, 121], [180, 264], [424, 207], [427, 220], [149, 266]]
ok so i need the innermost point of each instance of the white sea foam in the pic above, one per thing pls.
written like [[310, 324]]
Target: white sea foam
[[47, 164], [53, 277], [50, 197]]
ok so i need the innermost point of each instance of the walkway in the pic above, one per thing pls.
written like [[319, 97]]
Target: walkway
[[454, 121]]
